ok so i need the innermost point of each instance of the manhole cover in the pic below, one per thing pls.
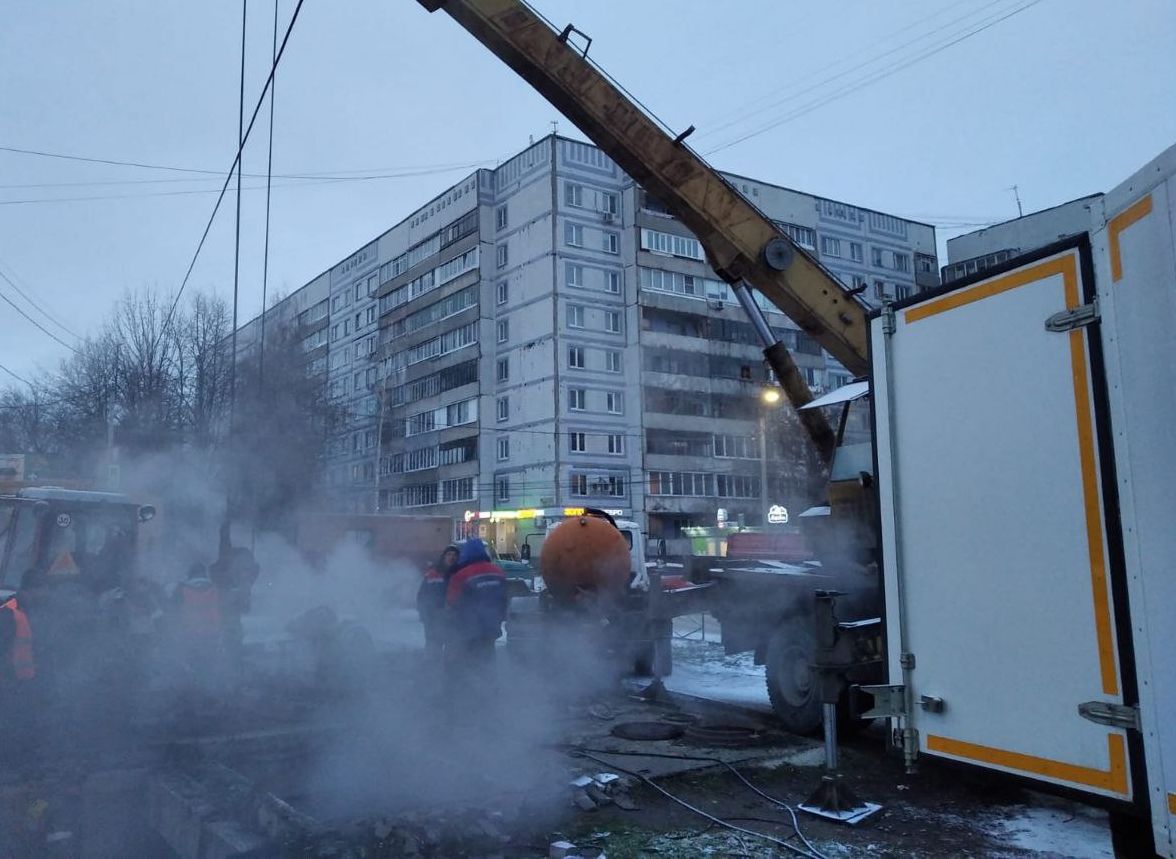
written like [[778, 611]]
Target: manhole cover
[[647, 731], [732, 736], [679, 719]]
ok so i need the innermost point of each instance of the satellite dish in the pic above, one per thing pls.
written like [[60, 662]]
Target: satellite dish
[[778, 254]]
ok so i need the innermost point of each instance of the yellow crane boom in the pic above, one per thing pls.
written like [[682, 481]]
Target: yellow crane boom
[[741, 242]]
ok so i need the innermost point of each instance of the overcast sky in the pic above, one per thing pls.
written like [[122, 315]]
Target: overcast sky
[[1064, 98]]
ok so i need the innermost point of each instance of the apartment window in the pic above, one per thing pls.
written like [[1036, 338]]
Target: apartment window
[[616, 486], [612, 361], [504, 449], [503, 370], [574, 194], [359, 320], [616, 443], [502, 489], [371, 314], [902, 291], [574, 274], [902, 262], [576, 357], [610, 203], [575, 316], [357, 381], [502, 407], [612, 321], [577, 442], [879, 290], [460, 413], [578, 483], [503, 330], [667, 243], [613, 403], [925, 263], [830, 246], [359, 291], [500, 218], [736, 447], [806, 237], [876, 256], [576, 399], [611, 243], [574, 235], [736, 486], [336, 302], [612, 282], [503, 293], [346, 327], [500, 256], [855, 251]]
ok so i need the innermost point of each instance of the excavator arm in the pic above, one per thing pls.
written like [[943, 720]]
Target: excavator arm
[[741, 243]]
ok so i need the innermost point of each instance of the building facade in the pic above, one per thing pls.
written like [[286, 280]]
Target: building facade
[[545, 335]]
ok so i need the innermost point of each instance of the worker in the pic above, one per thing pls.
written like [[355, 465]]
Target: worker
[[198, 637], [475, 606], [198, 605], [17, 674], [431, 600]]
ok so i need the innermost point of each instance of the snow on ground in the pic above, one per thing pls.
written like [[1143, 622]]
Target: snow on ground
[[1054, 827], [701, 668]]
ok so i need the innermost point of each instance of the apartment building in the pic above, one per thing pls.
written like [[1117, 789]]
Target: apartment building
[[544, 335]]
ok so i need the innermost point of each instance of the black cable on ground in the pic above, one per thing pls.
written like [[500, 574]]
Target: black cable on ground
[[810, 853]]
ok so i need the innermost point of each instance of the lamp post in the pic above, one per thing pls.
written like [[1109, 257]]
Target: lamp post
[[769, 397]]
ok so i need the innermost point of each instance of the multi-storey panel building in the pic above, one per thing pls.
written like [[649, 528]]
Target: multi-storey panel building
[[545, 335]]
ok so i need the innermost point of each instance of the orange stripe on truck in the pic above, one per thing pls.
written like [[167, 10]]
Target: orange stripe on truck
[[1113, 779], [1141, 208], [1172, 803]]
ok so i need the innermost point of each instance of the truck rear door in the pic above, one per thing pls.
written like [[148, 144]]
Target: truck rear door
[[1003, 569]]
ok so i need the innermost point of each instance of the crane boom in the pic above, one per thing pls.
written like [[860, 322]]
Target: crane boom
[[741, 242]]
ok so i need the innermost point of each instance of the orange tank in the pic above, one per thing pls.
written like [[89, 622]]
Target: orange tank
[[584, 552]]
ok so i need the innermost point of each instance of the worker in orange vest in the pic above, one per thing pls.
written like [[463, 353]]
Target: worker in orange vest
[[198, 604], [16, 642]]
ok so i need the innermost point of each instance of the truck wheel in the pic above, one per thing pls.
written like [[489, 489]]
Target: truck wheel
[[792, 684]]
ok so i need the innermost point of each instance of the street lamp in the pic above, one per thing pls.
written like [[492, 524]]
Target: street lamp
[[769, 397]]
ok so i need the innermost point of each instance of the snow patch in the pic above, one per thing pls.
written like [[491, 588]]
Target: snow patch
[[1067, 830]]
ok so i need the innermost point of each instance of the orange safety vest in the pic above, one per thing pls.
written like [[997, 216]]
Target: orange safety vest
[[201, 609], [23, 666]]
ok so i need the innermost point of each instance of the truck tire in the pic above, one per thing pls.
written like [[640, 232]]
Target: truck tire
[[792, 684]]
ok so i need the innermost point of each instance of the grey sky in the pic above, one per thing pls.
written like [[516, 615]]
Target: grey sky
[[1065, 98]]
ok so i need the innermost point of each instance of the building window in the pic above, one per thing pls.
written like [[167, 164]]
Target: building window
[[577, 442], [578, 484], [504, 449], [574, 274], [830, 246], [371, 314], [503, 370], [576, 399], [503, 330], [902, 262], [616, 486], [500, 255], [612, 361], [576, 357], [502, 489], [855, 251], [613, 403], [667, 243], [346, 327], [876, 257], [616, 443], [574, 194], [612, 282], [612, 321], [611, 243], [902, 291], [574, 235], [736, 447], [503, 293], [880, 290], [575, 316], [806, 237], [500, 218], [503, 408]]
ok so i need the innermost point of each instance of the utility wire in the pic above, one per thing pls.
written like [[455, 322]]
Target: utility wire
[[269, 170], [868, 81], [43, 329], [237, 240], [42, 310], [18, 378], [229, 175]]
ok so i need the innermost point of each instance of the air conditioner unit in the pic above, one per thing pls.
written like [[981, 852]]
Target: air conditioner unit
[[608, 217]]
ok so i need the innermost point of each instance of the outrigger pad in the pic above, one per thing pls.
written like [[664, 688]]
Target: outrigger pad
[[833, 800]]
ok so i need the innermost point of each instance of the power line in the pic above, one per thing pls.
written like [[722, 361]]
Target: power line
[[854, 86], [269, 170], [37, 324], [236, 162], [237, 239], [42, 310], [18, 378]]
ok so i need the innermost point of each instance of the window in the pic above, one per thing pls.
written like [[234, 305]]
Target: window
[[610, 203], [902, 262], [924, 263], [358, 290], [578, 483], [855, 251], [611, 243], [688, 483], [667, 243], [500, 256], [373, 283], [447, 271], [876, 256], [736, 486], [573, 194], [612, 361], [503, 408], [358, 321], [577, 442], [575, 316], [830, 246], [503, 370], [879, 290], [736, 447], [806, 237], [357, 381], [616, 443], [612, 282], [461, 489], [346, 327], [504, 449], [502, 489], [371, 314], [503, 330], [500, 218], [613, 403], [576, 399], [574, 235], [902, 291], [460, 413], [574, 274], [576, 357], [503, 293], [612, 321]]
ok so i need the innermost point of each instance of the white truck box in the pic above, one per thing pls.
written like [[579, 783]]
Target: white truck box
[[1026, 445]]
